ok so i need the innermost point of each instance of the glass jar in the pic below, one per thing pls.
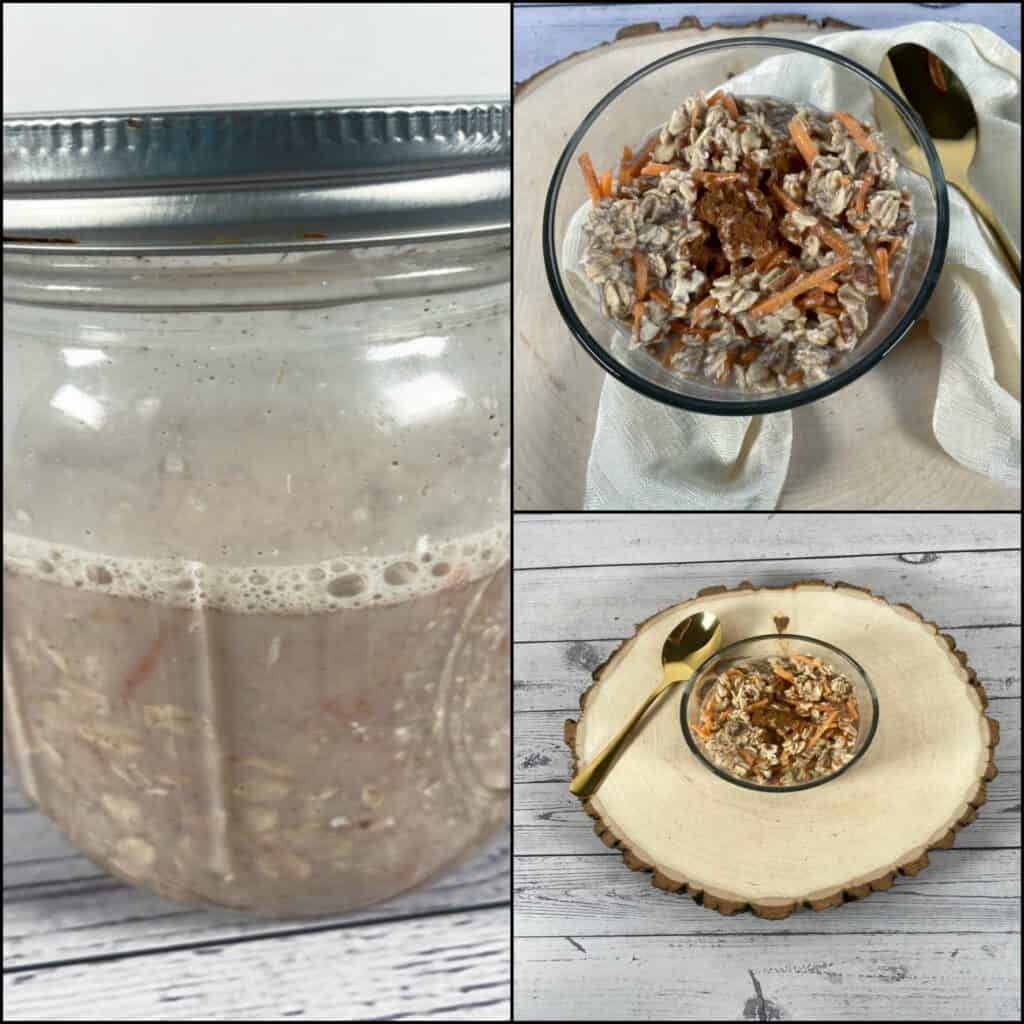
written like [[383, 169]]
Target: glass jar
[[256, 549]]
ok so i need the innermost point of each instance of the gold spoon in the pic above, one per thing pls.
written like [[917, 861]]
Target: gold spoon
[[942, 102], [684, 649]]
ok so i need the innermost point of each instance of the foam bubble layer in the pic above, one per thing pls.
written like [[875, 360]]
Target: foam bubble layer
[[342, 581]]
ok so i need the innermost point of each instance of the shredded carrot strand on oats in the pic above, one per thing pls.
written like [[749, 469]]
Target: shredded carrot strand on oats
[[882, 268], [798, 287], [590, 176], [640, 268], [802, 140], [853, 126], [654, 169], [822, 729]]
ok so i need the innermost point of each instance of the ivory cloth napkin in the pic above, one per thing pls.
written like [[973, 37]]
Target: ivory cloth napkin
[[646, 455]]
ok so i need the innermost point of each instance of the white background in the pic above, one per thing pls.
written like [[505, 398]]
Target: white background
[[111, 56]]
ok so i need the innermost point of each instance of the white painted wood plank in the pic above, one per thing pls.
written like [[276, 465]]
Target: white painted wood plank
[[737, 976], [449, 967], [955, 590], [90, 914], [577, 540], [551, 676]]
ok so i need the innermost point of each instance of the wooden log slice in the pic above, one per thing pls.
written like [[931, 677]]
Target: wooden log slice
[[730, 848]]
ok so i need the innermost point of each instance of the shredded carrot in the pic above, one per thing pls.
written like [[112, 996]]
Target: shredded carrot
[[702, 308], [882, 267], [672, 350], [657, 168], [831, 287], [806, 659], [640, 268], [606, 184], [822, 729], [771, 261], [803, 141], [829, 237], [821, 302], [715, 97], [758, 704], [678, 344], [661, 297], [788, 276], [787, 201], [796, 377], [853, 126], [644, 155], [852, 705], [783, 674], [748, 757], [590, 175], [832, 240], [730, 104], [747, 356], [862, 192], [638, 315], [798, 287]]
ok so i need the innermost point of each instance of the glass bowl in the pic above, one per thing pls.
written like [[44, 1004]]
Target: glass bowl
[[780, 645], [640, 104]]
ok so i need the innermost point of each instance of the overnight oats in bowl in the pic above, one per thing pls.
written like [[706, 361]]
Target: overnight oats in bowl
[[749, 240], [779, 713], [729, 231]]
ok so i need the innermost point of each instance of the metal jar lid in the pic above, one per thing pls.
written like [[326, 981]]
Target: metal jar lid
[[234, 180]]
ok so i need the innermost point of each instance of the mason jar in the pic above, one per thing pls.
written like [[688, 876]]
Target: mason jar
[[256, 503]]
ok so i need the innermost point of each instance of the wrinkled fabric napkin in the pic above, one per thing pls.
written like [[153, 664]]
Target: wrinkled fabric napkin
[[646, 455]]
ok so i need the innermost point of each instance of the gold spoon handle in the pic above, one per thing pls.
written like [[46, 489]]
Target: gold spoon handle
[[586, 780]]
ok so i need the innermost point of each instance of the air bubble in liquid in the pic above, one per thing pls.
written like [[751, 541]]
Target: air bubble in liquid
[[347, 586], [97, 574], [400, 572]]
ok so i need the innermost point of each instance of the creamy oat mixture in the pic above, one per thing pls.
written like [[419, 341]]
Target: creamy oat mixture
[[780, 721], [751, 242]]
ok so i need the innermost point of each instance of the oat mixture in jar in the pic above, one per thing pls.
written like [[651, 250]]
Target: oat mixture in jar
[[781, 721], [751, 241], [256, 505]]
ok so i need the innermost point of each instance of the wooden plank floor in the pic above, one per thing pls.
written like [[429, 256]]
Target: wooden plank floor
[[80, 945]]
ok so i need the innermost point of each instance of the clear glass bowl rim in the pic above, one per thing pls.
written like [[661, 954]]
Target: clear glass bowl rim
[[789, 399], [756, 787]]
